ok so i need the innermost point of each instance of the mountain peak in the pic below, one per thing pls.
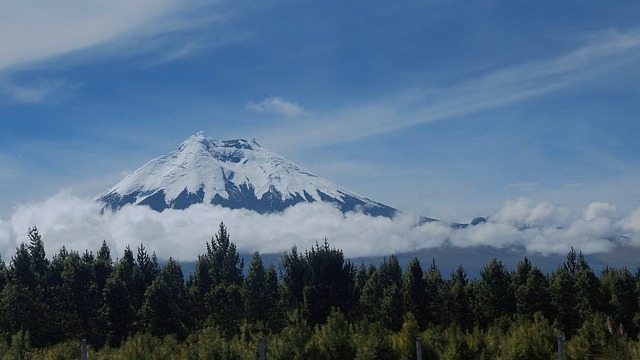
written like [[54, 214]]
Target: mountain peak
[[199, 140], [230, 173]]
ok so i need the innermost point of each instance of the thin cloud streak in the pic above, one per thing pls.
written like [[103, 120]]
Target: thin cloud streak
[[34, 93], [606, 52], [36, 31]]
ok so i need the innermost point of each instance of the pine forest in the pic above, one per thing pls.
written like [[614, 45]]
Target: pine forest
[[315, 305]]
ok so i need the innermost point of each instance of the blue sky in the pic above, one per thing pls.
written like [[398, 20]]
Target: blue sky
[[444, 108]]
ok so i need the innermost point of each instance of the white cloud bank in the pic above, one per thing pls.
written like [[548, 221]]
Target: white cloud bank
[[65, 219]]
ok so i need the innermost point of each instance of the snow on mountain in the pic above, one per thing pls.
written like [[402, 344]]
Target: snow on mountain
[[234, 174]]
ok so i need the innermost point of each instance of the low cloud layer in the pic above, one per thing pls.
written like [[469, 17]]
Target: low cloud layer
[[542, 228]]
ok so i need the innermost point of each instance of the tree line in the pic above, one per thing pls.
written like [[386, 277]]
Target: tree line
[[317, 304]]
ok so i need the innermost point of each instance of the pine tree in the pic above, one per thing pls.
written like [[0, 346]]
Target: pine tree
[[163, 310], [20, 269], [461, 303], [102, 266], [261, 296], [531, 290], [276, 311], [217, 283], [522, 273], [225, 262], [226, 308], [360, 280], [329, 284], [3, 274], [148, 266], [58, 298], [80, 292], [621, 289], [562, 290], [256, 303], [414, 292], [439, 296], [39, 262], [590, 295], [24, 298], [381, 297], [143, 272], [199, 285], [571, 264], [294, 272], [494, 298], [119, 311]]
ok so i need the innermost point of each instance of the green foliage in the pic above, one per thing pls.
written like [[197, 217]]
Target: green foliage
[[457, 345], [229, 313], [414, 292], [261, 297], [118, 311], [439, 300], [332, 340], [494, 297], [39, 263], [591, 339], [25, 298], [563, 299], [404, 342], [590, 293], [381, 298], [69, 349], [254, 291], [372, 342], [163, 310], [528, 340], [532, 294], [225, 264], [20, 347], [291, 342], [621, 298], [144, 346], [294, 275], [215, 289], [210, 343], [102, 266], [81, 294], [329, 284], [460, 301]]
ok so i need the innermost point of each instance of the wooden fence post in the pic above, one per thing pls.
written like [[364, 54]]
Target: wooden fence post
[[418, 348], [263, 352], [84, 349], [560, 348]]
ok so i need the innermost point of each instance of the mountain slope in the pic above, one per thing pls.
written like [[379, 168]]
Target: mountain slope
[[237, 174]]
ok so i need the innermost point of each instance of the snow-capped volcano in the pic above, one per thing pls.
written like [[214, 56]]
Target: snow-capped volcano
[[234, 174]]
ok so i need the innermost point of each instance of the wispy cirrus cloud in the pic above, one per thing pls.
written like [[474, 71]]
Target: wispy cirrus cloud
[[33, 31], [604, 53], [277, 105], [36, 92]]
